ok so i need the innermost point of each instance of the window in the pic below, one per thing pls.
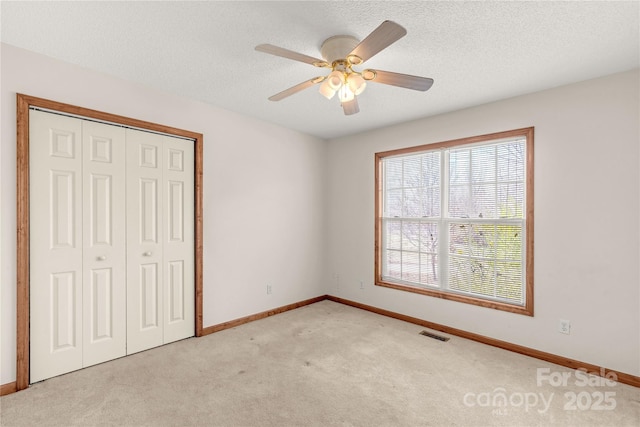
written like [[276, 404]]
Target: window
[[455, 220]]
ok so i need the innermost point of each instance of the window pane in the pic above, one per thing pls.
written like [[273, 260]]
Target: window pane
[[412, 203], [482, 240], [411, 267], [393, 203], [431, 202], [459, 274], [483, 164], [509, 241], [483, 196], [393, 173], [459, 239], [410, 236], [483, 201], [511, 160], [393, 235], [393, 266], [412, 172], [431, 169], [429, 269], [511, 200], [429, 237], [431, 181], [459, 199], [482, 277], [412, 186], [472, 276], [509, 281], [459, 164]]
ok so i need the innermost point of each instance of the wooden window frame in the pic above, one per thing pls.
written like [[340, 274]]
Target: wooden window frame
[[24, 103], [527, 308]]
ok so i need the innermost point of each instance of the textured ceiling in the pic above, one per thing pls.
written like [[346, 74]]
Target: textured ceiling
[[476, 52]]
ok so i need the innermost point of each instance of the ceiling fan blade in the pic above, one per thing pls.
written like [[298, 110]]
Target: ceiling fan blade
[[289, 54], [350, 107], [295, 89], [402, 80], [385, 35]]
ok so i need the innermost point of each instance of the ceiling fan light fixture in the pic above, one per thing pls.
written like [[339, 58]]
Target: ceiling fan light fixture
[[335, 79], [356, 83], [326, 90], [345, 94]]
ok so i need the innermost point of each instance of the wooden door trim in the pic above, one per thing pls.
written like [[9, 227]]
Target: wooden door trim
[[24, 102]]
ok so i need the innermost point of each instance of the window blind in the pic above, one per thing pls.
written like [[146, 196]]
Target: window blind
[[454, 219]]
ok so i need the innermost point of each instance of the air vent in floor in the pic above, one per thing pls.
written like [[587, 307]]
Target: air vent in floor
[[434, 336]]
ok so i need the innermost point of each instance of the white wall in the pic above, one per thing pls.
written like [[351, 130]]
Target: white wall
[[263, 191], [587, 215]]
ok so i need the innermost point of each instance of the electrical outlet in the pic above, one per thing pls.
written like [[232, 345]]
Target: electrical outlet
[[564, 326], [268, 289], [361, 284]]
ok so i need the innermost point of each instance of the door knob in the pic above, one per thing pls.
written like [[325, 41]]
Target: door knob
[[147, 253], [101, 258]]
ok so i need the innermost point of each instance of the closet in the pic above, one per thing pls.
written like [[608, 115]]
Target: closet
[[111, 242]]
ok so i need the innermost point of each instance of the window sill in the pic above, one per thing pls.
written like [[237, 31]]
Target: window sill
[[526, 310]]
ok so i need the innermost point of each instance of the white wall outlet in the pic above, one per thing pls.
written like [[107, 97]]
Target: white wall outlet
[[268, 289], [361, 284], [564, 326]]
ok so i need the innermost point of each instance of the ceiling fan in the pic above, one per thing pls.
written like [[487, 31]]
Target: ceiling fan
[[341, 54]]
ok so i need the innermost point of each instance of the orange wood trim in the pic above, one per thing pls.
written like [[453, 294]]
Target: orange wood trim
[[527, 309], [529, 224], [452, 143], [22, 205], [22, 255], [199, 242], [377, 264], [241, 321], [624, 378], [8, 388], [107, 117], [496, 305]]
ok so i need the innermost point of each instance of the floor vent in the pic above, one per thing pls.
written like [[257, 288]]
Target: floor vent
[[434, 336]]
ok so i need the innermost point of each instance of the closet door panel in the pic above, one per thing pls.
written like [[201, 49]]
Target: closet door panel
[[144, 240], [178, 220], [104, 259], [55, 245]]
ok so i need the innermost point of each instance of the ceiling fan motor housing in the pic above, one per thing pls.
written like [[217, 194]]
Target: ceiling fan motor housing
[[338, 47]]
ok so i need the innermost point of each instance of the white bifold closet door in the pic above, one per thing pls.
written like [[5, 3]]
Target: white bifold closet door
[[77, 244], [160, 245], [111, 242]]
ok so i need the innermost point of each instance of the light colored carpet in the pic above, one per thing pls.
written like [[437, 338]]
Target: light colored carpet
[[326, 364]]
